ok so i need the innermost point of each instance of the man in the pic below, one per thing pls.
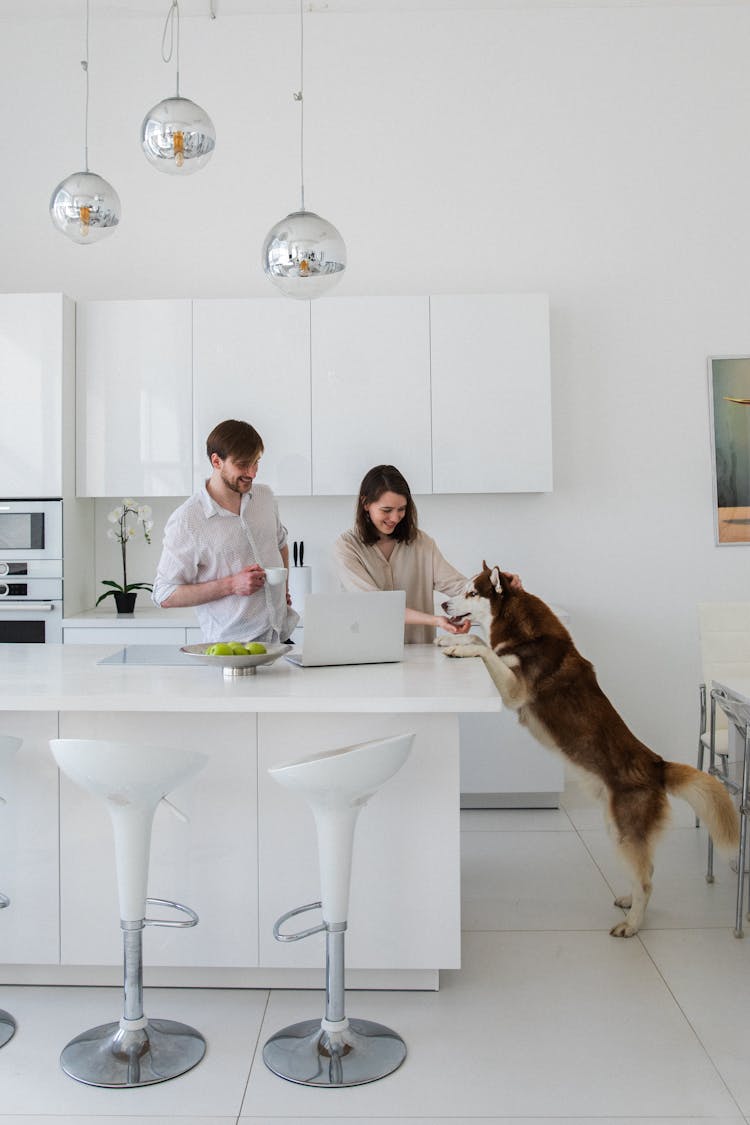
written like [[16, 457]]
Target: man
[[218, 542]]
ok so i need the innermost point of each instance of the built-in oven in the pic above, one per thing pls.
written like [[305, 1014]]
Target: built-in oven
[[31, 571]]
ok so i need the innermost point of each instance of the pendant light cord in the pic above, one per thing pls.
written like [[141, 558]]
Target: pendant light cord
[[173, 18], [299, 97], [85, 68]]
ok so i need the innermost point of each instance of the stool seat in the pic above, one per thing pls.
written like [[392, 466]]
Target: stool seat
[[337, 1051], [131, 780], [8, 746]]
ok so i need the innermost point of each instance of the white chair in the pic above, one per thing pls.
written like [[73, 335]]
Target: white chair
[[738, 714], [8, 747], [131, 780], [725, 652], [336, 1051]]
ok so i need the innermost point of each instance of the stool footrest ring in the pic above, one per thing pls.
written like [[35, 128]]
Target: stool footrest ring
[[302, 933], [191, 920]]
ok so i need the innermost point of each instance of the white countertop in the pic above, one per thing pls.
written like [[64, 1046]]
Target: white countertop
[[146, 615], [69, 678]]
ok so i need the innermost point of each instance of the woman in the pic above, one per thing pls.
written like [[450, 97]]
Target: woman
[[385, 550]]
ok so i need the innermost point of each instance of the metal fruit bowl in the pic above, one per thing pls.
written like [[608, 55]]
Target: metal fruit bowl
[[236, 665]]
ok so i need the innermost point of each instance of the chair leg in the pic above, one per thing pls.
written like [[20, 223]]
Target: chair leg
[[738, 931], [133, 1051]]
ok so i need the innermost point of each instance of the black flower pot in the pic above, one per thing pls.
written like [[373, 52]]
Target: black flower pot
[[125, 602]]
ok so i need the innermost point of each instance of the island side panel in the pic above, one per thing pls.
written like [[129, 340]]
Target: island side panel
[[210, 863], [30, 926], [405, 898]]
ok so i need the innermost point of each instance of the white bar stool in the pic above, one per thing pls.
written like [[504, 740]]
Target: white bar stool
[[131, 780], [336, 1051], [8, 747]]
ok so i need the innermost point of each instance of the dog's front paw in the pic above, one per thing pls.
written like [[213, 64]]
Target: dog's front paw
[[623, 929], [459, 649]]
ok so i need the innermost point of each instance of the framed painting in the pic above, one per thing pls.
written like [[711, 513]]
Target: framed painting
[[729, 399]]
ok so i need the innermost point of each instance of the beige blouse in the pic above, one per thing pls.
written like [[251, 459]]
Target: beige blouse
[[418, 568]]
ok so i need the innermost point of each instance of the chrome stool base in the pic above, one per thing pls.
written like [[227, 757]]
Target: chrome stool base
[[7, 1027], [306, 1054], [110, 1056]]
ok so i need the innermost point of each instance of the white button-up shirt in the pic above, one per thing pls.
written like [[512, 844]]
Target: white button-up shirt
[[203, 541]]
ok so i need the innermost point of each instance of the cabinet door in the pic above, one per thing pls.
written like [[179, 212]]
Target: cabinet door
[[29, 927], [405, 888], [370, 391], [208, 862], [31, 386], [491, 418], [252, 362], [134, 390]]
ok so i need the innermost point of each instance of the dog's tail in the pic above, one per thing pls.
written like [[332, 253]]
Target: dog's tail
[[709, 800]]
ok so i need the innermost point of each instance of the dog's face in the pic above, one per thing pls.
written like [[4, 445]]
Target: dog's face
[[477, 600]]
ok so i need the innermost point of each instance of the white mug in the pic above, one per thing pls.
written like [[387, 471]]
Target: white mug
[[275, 575]]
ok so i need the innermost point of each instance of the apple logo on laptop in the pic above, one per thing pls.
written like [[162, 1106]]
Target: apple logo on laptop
[[354, 627]]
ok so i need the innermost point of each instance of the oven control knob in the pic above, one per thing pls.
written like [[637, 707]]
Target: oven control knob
[[4, 568], [4, 589]]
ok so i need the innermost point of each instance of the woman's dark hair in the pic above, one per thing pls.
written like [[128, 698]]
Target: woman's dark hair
[[238, 440], [385, 478]]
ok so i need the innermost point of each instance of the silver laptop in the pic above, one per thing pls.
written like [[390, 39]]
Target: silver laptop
[[366, 628]]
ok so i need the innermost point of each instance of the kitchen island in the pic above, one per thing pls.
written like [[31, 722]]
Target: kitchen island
[[246, 852]]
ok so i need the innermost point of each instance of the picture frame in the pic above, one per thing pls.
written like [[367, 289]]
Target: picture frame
[[729, 406]]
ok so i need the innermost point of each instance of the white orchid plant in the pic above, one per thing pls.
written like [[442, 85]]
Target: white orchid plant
[[127, 519]]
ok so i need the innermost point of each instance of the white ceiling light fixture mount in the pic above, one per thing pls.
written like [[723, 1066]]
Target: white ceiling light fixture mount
[[303, 255], [84, 207], [177, 136]]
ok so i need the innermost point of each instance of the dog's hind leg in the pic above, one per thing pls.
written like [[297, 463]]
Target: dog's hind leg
[[638, 856]]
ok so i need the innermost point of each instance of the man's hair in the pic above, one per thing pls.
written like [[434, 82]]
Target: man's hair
[[234, 439], [380, 479]]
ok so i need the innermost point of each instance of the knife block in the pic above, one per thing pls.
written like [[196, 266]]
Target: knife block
[[300, 584]]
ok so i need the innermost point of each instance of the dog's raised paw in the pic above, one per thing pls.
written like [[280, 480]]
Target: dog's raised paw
[[624, 901]]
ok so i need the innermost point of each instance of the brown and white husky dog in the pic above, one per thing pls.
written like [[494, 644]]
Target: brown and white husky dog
[[541, 675]]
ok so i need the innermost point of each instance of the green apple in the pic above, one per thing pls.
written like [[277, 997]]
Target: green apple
[[238, 649], [219, 650], [255, 648]]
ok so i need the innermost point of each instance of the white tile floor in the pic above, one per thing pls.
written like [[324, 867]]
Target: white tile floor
[[550, 1019]]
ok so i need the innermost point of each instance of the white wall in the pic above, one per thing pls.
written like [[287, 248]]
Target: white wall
[[596, 152]]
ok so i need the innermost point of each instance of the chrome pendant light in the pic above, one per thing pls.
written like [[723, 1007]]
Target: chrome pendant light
[[84, 207], [303, 255], [177, 136]]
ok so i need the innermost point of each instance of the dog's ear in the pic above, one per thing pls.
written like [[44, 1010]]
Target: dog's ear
[[500, 581], [485, 568]]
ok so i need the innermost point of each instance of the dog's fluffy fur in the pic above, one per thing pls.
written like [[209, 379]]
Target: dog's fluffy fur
[[541, 675]]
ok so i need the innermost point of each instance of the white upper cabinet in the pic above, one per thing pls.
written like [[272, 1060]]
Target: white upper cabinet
[[370, 391], [252, 362], [36, 385], [491, 410], [133, 376]]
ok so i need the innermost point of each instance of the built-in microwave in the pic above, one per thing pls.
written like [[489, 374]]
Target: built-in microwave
[[31, 530], [31, 571]]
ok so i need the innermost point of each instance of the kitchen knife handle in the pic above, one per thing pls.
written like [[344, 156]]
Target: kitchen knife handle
[[301, 553], [294, 552]]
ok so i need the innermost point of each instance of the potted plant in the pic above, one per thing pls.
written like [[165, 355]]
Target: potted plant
[[126, 520]]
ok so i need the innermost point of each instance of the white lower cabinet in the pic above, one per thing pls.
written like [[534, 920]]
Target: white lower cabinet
[[29, 927], [209, 863]]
